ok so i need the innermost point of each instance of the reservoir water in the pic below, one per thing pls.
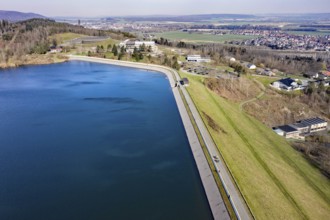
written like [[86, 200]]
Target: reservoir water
[[82, 140]]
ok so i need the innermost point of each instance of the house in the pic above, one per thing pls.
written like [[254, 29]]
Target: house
[[320, 81], [267, 72], [285, 84], [323, 76], [311, 75], [55, 49], [327, 73], [198, 59], [184, 82], [327, 82], [251, 66], [326, 77], [130, 45]]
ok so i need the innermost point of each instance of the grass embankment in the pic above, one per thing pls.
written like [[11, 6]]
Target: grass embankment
[[265, 80], [61, 38], [195, 37], [275, 180], [35, 59]]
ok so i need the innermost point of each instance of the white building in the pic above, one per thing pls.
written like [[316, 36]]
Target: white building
[[251, 66], [198, 59], [129, 45], [286, 84]]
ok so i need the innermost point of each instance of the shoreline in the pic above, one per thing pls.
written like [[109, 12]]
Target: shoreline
[[216, 204], [36, 60]]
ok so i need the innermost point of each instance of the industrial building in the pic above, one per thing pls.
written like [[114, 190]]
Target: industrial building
[[129, 45], [198, 59], [302, 128]]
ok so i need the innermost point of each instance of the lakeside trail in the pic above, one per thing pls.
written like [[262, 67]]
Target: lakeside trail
[[215, 200], [263, 89]]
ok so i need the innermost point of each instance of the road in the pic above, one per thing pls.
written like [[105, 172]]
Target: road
[[213, 195]]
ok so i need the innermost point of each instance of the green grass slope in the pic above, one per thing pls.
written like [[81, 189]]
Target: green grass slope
[[276, 181]]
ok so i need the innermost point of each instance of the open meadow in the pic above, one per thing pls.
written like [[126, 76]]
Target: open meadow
[[195, 37]]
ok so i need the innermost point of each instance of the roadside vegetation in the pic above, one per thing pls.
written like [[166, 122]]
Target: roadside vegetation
[[276, 181]]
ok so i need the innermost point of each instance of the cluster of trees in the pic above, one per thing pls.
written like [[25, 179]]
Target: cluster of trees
[[170, 61], [32, 36], [318, 98], [238, 67], [138, 54], [271, 59], [165, 42], [317, 149], [101, 51]]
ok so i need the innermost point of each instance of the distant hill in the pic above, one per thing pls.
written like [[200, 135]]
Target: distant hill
[[186, 18], [18, 16]]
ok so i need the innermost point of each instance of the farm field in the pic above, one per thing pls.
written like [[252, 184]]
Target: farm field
[[195, 37], [61, 38]]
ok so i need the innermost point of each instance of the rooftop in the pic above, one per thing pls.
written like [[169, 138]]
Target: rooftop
[[287, 128], [300, 125], [312, 121], [286, 81]]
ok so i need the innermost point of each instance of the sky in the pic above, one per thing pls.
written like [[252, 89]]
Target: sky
[[95, 8]]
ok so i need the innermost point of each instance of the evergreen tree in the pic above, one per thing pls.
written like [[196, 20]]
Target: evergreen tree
[[109, 47], [140, 56], [135, 54], [122, 50], [54, 42], [114, 50], [98, 49]]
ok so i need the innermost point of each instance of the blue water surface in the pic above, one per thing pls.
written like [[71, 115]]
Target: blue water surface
[[81, 140]]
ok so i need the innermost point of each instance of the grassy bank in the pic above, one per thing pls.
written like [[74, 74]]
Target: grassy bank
[[35, 59], [276, 181], [63, 37]]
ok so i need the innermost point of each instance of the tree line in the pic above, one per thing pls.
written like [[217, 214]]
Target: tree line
[[140, 54]]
